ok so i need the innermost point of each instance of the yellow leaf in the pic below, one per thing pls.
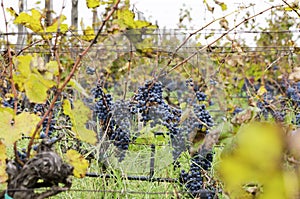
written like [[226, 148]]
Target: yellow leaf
[[23, 63], [84, 134], [36, 88], [92, 3], [52, 67], [78, 162], [11, 131], [79, 117], [67, 108], [262, 90], [88, 34], [3, 174], [54, 27], [32, 21], [254, 157]]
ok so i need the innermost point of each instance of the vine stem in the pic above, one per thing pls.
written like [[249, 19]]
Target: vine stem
[[10, 61], [71, 74], [292, 7], [200, 29], [217, 39], [11, 78]]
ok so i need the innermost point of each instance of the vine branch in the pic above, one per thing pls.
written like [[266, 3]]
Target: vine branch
[[216, 40], [71, 74]]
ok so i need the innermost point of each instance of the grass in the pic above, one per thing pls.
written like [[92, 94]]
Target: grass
[[136, 163]]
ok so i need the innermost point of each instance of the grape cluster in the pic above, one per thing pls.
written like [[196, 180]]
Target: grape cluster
[[103, 104], [189, 82], [121, 132], [114, 119], [152, 107], [293, 94], [90, 71], [22, 155], [201, 96], [121, 139], [296, 121], [264, 106], [203, 119], [193, 179], [40, 109], [10, 103], [148, 95], [237, 110]]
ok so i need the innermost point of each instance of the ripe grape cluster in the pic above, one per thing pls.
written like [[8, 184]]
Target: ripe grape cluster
[[40, 109], [193, 179], [114, 119], [204, 119], [293, 94], [148, 95], [103, 105], [121, 133], [201, 96], [152, 107], [296, 121], [10, 103], [22, 155]]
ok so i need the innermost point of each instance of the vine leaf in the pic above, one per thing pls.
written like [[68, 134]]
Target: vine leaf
[[24, 64], [35, 84], [51, 70], [58, 22], [239, 160], [33, 21], [221, 4], [77, 86], [92, 3], [88, 34], [261, 91], [3, 174], [78, 162], [12, 127], [125, 19], [79, 117], [36, 88]]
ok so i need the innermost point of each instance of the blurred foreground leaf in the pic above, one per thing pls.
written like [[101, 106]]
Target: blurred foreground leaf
[[253, 161]]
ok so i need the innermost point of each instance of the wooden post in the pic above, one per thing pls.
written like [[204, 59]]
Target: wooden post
[[21, 29], [48, 21], [74, 14], [95, 19]]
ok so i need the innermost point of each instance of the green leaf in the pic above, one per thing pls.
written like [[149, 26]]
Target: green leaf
[[88, 34], [36, 88], [147, 135], [3, 174], [92, 3], [33, 21], [78, 162], [12, 130], [79, 117]]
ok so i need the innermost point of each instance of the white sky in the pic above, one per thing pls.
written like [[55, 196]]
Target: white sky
[[165, 12]]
